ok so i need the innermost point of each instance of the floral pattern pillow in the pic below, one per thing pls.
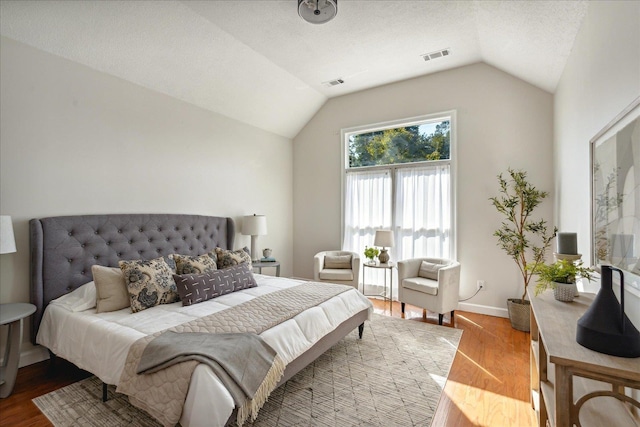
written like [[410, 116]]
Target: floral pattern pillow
[[200, 264], [228, 258], [149, 283]]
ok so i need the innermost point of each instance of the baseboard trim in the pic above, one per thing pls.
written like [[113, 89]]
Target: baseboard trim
[[483, 309], [33, 354]]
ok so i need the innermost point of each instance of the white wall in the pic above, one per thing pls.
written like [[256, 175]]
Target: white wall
[[77, 141], [501, 122], [601, 78]]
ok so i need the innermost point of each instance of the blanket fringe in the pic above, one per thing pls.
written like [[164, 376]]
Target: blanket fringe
[[251, 407]]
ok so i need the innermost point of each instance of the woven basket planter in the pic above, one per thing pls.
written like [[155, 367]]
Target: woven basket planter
[[564, 291], [519, 314]]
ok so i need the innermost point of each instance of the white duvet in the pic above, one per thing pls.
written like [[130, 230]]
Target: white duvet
[[99, 343]]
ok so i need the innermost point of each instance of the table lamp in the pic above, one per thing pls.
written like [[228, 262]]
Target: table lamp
[[7, 239], [384, 238], [254, 226]]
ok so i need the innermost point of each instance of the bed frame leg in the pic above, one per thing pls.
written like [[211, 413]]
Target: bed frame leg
[[104, 392], [360, 330], [52, 361]]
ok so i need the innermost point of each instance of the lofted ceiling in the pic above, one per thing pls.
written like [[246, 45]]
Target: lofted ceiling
[[258, 62]]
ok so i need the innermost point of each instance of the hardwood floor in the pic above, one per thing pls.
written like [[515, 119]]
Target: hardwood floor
[[488, 384]]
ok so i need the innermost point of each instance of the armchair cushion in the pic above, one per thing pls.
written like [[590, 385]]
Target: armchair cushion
[[421, 284], [336, 274], [337, 262], [429, 270]]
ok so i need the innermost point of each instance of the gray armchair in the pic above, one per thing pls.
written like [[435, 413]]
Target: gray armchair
[[434, 287], [341, 267]]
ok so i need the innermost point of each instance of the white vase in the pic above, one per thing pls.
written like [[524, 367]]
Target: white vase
[[564, 291]]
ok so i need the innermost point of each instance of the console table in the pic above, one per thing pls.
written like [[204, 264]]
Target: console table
[[570, 384]]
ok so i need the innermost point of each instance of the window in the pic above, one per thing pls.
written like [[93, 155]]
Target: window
[[400, 176]]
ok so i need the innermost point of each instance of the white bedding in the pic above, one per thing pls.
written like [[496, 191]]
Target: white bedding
[[99, 343]]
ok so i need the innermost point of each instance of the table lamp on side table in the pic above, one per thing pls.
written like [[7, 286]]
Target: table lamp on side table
[[254, 226], [7, 240], [384, 238]]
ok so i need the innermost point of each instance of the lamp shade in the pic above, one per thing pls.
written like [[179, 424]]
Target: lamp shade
[[254, 225], [7, 240], [384, 238]]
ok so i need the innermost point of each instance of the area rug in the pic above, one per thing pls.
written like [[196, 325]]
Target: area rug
[[392, 377]]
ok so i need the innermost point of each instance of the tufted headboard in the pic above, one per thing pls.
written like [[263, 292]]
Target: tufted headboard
[[64, 248]]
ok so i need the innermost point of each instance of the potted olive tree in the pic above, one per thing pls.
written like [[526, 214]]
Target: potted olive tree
[[561, 277], [524, 239]]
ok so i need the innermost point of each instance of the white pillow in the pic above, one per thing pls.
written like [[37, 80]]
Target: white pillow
[[81, 299]]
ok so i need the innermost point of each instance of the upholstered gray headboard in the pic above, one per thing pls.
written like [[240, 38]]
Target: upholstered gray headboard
[[64, 248]]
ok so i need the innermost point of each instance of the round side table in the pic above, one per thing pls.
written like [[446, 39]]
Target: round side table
[[12, 315]]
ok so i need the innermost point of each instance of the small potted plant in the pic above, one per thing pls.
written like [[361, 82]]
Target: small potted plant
[[371, 253], [561, 277]]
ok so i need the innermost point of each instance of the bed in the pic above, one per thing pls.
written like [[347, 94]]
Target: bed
[[63, 250]]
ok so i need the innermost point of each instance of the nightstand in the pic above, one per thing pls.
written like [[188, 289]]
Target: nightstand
[[12, 315], [385, 267], [261, 265]]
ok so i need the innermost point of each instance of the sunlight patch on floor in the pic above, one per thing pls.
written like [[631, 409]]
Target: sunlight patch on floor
[[479, 366], [439, 379], [466, 319], [485, 408]]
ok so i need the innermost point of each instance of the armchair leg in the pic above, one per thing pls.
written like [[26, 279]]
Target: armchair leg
[[402, 307], [440, 316], [452, 317]]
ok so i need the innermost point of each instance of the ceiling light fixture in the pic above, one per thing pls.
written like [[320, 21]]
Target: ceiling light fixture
[[317, 11]]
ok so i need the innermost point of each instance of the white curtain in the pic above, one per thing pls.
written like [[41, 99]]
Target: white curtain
[[421, 221], [423, 212], [367, 207]]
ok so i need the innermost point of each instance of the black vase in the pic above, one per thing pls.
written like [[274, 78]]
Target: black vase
[[605, 327]]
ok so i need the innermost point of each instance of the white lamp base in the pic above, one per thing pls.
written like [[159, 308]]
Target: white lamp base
[[254, 251]]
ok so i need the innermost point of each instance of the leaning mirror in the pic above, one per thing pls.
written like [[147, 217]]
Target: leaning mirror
[[615, 184]]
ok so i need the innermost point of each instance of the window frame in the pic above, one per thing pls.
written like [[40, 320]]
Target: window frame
[[345, 133]]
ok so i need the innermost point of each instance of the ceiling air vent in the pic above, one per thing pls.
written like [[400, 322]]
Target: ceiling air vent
[[436, 54], [331, 83]]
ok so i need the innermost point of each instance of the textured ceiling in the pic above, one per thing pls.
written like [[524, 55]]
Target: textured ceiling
[[259, 63]]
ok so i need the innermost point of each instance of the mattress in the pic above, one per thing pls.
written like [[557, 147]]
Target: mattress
[[99, 342]]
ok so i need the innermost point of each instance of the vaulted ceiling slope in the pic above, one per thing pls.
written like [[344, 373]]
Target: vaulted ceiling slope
[[261, 64]]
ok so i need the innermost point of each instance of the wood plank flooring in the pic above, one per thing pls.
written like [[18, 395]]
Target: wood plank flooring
[[488, 384]]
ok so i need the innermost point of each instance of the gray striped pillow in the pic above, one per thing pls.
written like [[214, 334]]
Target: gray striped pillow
[[195, 288]]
